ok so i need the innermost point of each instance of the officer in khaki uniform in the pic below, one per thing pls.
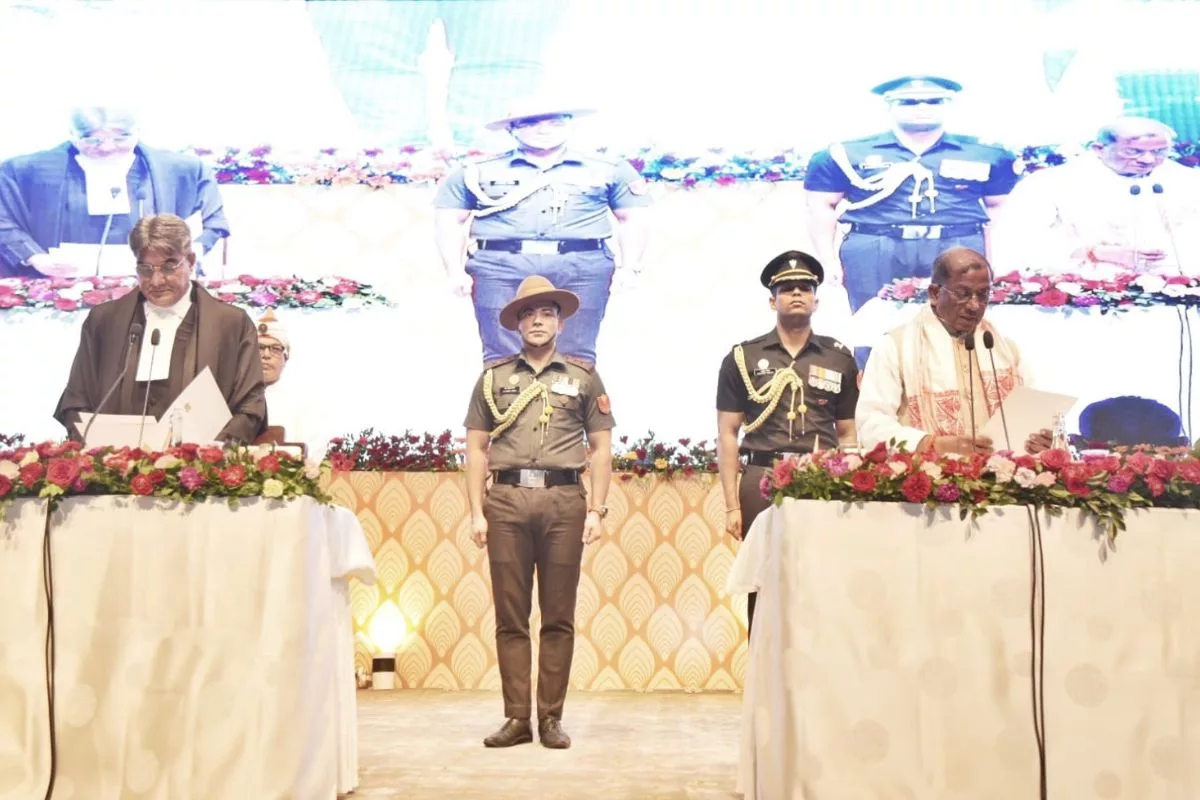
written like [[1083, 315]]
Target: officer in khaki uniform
[[526, 425], [790, 391]]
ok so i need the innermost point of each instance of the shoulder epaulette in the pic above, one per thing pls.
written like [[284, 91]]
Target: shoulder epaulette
[[498, 361], [582, 363], [834, 343]]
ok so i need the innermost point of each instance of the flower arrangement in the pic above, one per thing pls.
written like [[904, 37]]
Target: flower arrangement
[[1104, 485], [1121, 292], [370, 451], [379, 167], [247, 291], [649, 456], [187, 473]]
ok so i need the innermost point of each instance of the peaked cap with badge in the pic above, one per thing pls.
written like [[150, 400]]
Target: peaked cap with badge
[[792, 265], [533, 291], [535, 108], [917, 86]]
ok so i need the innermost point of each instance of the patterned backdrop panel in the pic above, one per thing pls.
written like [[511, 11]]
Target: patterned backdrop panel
[[652, 612]]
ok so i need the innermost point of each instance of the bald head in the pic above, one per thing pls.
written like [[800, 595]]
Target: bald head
[[956, 262], [1134, 146]]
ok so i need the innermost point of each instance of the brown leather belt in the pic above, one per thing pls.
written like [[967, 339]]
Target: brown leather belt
[[536, 478], [543, 247], [767, 458]]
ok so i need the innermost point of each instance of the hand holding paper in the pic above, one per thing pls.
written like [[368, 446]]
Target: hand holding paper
[[202, 415], [1026, 411]]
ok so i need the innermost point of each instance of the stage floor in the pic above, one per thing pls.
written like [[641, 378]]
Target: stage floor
[[418, 744]]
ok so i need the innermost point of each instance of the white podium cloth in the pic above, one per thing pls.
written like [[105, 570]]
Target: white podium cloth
[[201, 652], [890, 656]]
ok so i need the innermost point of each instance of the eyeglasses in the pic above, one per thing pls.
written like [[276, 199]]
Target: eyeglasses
[[273, 349], [920, 101], [791, 287], [962, 295], [168, 269], [1133, 152], [116, 139]]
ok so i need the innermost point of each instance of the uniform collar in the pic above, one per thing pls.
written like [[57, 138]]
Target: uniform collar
[[568, 156], [889, 139], [556, 360], [772, 340]]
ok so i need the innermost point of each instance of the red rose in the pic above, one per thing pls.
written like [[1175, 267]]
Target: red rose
[[340, 462], [5, 486], [269, 464], [1189, 471], [233, 476], [904, 291], [10, 301], [916, 487], [211, 455], [1055, 459], [1139, 463], [979, 496], [1051, 298], [31, 474], [94, 298], [1157, 485], [141, 484], [157, 477], [1162, 469], [878, 454], [66, 305], [63, 472], [863, 482]]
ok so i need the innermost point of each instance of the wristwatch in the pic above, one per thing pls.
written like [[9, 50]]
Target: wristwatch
[[601, 511]]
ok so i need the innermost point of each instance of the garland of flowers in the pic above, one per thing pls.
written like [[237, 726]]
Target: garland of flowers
[[650, 456], [1120, 292], [246, 291], [1105, 486], [370, 451], [379, 167], [187, 473]]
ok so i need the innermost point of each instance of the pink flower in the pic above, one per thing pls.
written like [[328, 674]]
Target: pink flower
[[947, 493], [781, 473], [764, 486], [1119, 483], [190, 478]]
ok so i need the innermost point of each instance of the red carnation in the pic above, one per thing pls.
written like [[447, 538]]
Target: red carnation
[[158, 477], [1157, 485], [233, 476], [5, 486], [916, 487], [1055, 459], [1052, 298], [269, 464], [1139, 463], [63, 472], [1162, 469], [1027, 461], [141, 484], [863, 482], [1189, 471], [879, 454], [211, 455], [32, 473]]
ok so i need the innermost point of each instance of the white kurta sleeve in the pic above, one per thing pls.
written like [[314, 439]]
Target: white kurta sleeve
[[1030, 233], [877, 415]]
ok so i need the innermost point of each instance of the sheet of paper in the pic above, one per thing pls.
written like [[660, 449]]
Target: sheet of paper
[[106, 197], [202, 408], [123, 430], [116, 261], [195, 225], [1027, 411]]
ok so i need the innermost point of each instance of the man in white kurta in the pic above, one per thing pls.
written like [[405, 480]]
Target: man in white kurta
[[290, 415], [918, 387], [1122, 206]]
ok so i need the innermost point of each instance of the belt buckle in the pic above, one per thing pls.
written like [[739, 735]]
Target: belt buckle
[[913, 231], [540, 247], [934, 232], [532, 478]]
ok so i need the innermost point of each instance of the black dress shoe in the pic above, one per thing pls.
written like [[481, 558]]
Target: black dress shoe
[[552, 735], [512, 732]]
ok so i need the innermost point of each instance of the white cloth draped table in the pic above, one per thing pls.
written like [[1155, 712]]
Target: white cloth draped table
[[892, 646], [202, 651]]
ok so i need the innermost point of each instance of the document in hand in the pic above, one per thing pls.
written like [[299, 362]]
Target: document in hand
[[1027, 411], [200, 411]]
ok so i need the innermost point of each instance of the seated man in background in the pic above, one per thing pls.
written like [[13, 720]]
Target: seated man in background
[[915, 388], [273, 351], [194, 331], [1123, 206], [93, 189], [290, 410]]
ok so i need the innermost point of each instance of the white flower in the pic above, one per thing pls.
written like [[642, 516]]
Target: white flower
[[1174, 290], [897, 467], [1046, 479], [1029, 287], [235, 288], [8, 469], [167, 462], [1002, 467], [272, 488], [76, 292], [853, 462], [1025, 478], [261, 451], [1150, 283], [932, 470], [30, 458], [1069, 287], [312, 469]]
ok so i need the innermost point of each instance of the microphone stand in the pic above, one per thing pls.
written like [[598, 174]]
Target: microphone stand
[[135, 333], [1185, 323], [989, 342], [104, 236], [969, 343], [155, 336]]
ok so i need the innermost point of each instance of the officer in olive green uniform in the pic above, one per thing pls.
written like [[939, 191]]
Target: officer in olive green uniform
[[789, 391], [527, 423]]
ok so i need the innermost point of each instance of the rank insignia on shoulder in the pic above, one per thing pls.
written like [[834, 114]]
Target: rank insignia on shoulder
[[580, 362], [496, 362], [603, 404]]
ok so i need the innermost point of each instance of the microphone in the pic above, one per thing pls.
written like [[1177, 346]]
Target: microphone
[[135, 333], [1157, 188], [155, 336], [108, 221], [989, 342], [970, 345]]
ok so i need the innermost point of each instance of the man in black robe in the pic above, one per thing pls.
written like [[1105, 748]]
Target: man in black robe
[[196, 331]]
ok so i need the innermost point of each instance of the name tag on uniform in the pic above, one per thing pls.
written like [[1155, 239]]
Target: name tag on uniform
[[828, 380], [763, 368], [874, 161], [955, 169], [509, 390], [568, 387]]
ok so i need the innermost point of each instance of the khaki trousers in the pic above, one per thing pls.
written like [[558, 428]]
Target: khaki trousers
[[532, 529]]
